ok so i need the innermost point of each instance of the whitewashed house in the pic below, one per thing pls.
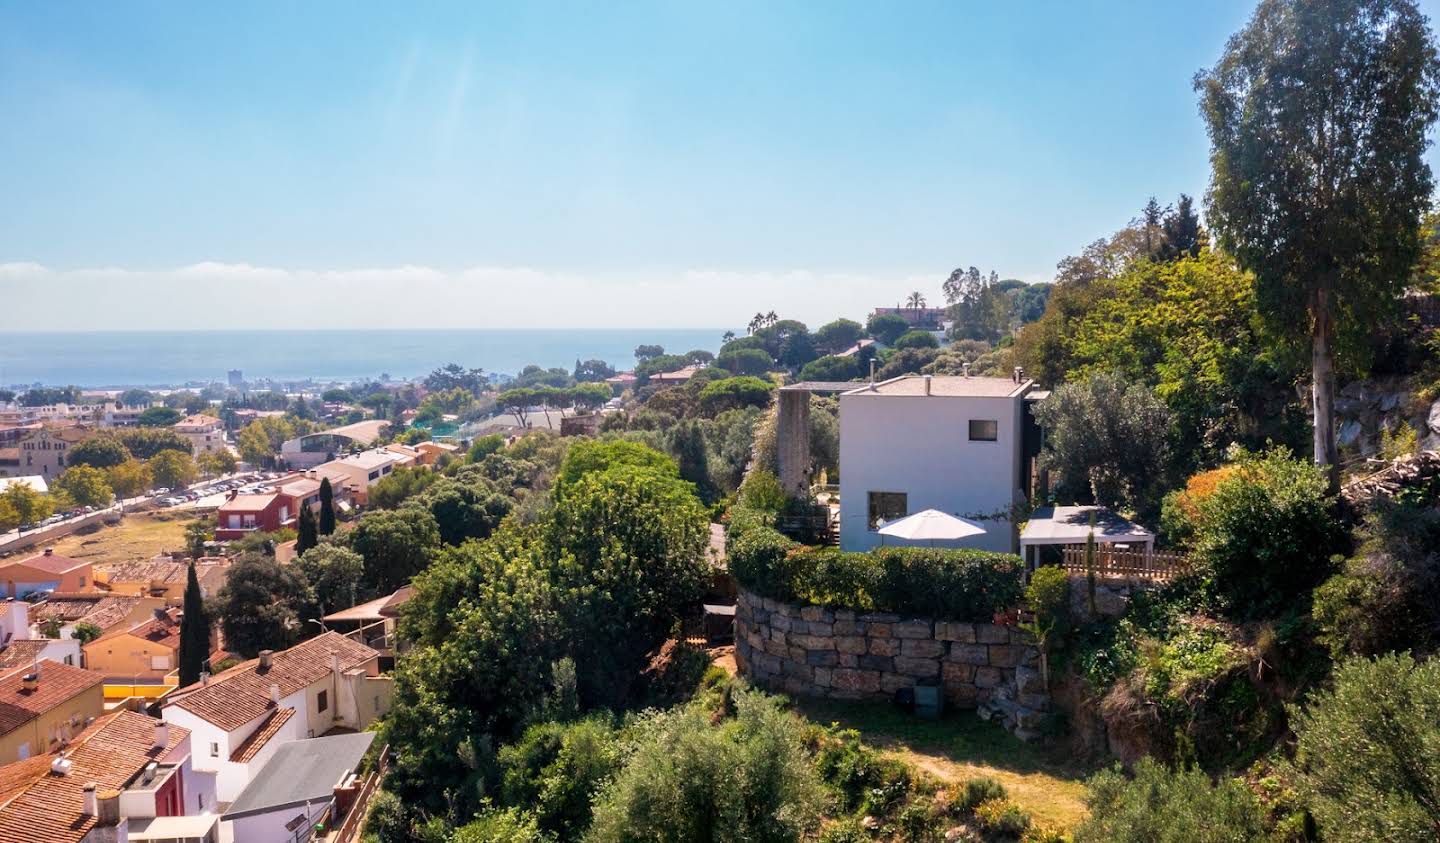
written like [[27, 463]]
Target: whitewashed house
[[307, 783], [958, 444], [237, 718]]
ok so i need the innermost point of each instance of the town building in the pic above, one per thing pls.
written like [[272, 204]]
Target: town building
[[161, 576], [127, 778], [431, 452], [240, 716], [206, 433], [46, 571], [141, 654], [305, 784], [312, 449], [358, 472], [100, 609], [34, 481], [678, 376], [243, 514], [960, 445], [917, 317], [42, 451], [21, 644], [43, 705]]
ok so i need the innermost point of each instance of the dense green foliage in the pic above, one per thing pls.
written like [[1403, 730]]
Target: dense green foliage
[[194, 631], [1368, 751], [262, 606], [101, 451], [1163, 806], [1266, 533], [1108, 439], [1388, 596], [748, 778], [395, 545]]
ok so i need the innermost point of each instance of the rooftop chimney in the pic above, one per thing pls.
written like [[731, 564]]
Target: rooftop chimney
[[965, 369], [148, 775], [274, 693], [204, 677], [61, 766], [265, 657], [1019, 374], [162, 734], [872, 372], [91, 806], [927, 384], [335, 661], [49, 551], [107, 805], [30, 681]]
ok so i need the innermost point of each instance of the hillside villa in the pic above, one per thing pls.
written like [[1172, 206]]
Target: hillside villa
[[961, 445]]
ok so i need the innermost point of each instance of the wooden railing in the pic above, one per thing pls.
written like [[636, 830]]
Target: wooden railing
[[349, 831], [1126, 564]]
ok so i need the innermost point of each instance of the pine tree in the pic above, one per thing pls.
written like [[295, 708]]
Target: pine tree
[[327, 508], [194, 632], [307, 535]]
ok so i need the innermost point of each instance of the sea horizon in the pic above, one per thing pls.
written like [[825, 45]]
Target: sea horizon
[[120, 358]]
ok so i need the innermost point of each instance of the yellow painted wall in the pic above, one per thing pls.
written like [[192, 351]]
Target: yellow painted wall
[[125, 656], [38, 732]]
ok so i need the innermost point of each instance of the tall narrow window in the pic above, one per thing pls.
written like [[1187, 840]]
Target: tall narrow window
[[984, 430], [887, 506]]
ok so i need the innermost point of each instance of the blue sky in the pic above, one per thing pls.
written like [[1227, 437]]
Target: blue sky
[[552, 164]]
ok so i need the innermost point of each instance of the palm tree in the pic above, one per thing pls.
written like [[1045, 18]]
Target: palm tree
[[916, 300], [771, 319], [757, 322]]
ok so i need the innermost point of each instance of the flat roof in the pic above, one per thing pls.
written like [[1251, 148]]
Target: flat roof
[[820, 386], [172, 828], [1071, 525], [300, 772], [948, 386]]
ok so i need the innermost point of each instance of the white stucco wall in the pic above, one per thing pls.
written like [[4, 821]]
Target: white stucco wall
[[270, 827], [920, 445]]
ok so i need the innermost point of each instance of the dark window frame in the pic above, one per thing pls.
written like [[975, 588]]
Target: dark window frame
[[878, 512], [994, 430]]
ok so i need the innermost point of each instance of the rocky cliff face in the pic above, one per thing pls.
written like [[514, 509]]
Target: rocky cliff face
[[1365, 409]]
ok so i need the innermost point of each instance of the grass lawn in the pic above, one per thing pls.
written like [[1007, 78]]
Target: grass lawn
[[961, 746], [139, 536]]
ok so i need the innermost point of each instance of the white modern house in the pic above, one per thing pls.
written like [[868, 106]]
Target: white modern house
[[957, 444], [307, 783], [239, 717]]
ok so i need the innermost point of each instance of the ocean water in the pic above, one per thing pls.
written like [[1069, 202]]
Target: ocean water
[[174, 358]]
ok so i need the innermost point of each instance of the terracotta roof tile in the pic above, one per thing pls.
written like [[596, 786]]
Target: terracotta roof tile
[[251, 746], [52, 563], [58, 683], [111, 753], [103, 610], [22, 652], [242, 693]]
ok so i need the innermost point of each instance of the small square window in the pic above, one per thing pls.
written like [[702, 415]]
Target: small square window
[[984, 430], [322, 701], [214, 750], [886, 507]]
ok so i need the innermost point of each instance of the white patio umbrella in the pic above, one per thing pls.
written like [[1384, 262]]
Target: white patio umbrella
[[931, 525]]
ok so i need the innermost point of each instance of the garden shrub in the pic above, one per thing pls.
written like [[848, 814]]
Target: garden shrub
[[1368, 751], [1002, 817], [495, 825], [1161, 806], [1388, 596], [975, 792], [1043, 834], [1266, 531], [852, 768], [688, 777], [553, 769], [966, 585]]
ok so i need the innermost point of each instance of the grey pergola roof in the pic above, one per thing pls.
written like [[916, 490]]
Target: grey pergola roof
[[1071, 525]]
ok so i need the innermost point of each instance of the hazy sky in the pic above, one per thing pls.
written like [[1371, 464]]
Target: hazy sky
[[544, 164]]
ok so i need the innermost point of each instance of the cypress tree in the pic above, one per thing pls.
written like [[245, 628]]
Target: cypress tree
[[327, 507], [307, 536], [194, 631]]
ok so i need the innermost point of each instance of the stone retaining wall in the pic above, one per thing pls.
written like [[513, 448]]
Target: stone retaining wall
[[841, 654]]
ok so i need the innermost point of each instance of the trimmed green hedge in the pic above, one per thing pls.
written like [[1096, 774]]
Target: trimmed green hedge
[[965, 585]]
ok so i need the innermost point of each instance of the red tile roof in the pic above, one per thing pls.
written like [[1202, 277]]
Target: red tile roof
[[251, 746], [22, 652], [49, 562], [58, 683], [242, 693], [111, 753], [103, 610], [163, 632]]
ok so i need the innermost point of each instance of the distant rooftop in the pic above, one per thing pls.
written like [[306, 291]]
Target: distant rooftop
[[952, 386]]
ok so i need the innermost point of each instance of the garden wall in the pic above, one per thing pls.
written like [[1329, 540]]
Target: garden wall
[[847, 655]]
